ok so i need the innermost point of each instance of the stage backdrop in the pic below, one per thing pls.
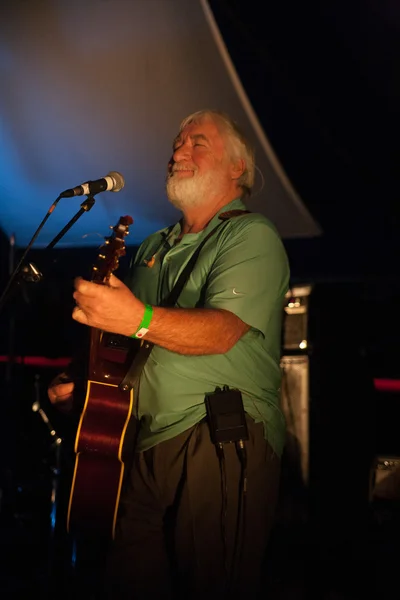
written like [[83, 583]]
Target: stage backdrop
[[92, 86]]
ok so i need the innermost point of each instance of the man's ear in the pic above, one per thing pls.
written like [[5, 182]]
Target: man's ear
[[238, 167]]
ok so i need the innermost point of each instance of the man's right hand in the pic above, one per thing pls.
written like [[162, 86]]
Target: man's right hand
[[61, 391]]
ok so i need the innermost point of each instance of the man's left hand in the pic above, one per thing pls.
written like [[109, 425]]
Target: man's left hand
[[112, 307]]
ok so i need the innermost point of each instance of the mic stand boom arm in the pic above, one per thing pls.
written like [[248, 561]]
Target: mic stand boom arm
[[85, 207]]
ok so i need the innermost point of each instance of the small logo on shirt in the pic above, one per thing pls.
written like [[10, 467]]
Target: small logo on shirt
[[150, 263], [234, 291]]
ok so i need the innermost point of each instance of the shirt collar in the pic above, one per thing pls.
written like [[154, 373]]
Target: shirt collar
[[191, 238]]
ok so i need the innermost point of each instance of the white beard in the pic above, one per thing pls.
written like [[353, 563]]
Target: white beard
[[190, 192]]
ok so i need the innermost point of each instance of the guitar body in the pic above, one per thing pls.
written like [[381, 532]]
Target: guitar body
[[103, 425]]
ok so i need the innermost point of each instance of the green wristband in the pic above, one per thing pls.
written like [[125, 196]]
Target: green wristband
[[145, 322]]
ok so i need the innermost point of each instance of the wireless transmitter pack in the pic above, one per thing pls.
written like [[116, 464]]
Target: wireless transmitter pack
[[226, 416]]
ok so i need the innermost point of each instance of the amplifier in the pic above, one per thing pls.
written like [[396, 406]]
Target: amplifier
[[295, 321], [385, 479]]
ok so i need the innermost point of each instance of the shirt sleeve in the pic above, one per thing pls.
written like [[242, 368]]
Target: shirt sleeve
[[250, 274]]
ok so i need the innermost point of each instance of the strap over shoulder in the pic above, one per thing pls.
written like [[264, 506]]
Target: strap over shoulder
[[233, 213], [142, 355]]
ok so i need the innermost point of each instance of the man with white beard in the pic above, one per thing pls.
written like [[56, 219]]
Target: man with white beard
[[195, 516]]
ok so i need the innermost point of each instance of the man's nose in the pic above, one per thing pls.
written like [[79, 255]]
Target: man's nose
[[182, 152]]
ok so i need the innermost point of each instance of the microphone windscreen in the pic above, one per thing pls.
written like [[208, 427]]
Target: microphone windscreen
[[119, 181]]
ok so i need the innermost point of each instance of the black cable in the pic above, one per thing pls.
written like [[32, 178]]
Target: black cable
[[241, 515], [242, 494], [224, 505]]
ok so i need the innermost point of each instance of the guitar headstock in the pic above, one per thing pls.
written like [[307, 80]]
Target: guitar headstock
[[110, 252]]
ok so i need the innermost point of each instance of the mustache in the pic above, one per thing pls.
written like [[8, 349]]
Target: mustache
[[180, 167]]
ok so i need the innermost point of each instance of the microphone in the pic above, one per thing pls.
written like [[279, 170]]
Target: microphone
[[113, 182]]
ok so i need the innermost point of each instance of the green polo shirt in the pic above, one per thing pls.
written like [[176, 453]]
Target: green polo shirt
[[242, 268]]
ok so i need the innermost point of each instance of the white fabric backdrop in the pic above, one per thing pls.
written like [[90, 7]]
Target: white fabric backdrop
[[90, 86]]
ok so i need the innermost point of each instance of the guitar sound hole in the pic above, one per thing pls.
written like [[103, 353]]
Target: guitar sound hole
[[116, 342]]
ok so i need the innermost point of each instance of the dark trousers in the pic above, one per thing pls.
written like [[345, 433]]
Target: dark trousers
[[177, 529]]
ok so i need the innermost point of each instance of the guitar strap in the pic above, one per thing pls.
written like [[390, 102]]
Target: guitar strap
[[133, 373]]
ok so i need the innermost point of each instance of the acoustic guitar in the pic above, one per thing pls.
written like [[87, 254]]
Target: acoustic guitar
[[99, 462]]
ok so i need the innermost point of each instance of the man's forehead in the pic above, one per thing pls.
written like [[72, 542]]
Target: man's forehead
[[205, 130]]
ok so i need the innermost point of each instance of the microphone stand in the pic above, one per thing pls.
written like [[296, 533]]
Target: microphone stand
[[85, 207], [11, 323], [55, 468], [18, 269], [30, 272]]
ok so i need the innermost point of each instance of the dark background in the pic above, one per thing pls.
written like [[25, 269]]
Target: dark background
[[323, 78]]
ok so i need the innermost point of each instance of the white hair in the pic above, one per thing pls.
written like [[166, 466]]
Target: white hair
[[240, 147]]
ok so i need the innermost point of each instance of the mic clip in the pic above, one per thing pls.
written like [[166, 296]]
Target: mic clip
[[31, 273], [88, 203]]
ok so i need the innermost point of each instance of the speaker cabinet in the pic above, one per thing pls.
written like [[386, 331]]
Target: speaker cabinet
[[295, 405], [327, 399], [295, 390]]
